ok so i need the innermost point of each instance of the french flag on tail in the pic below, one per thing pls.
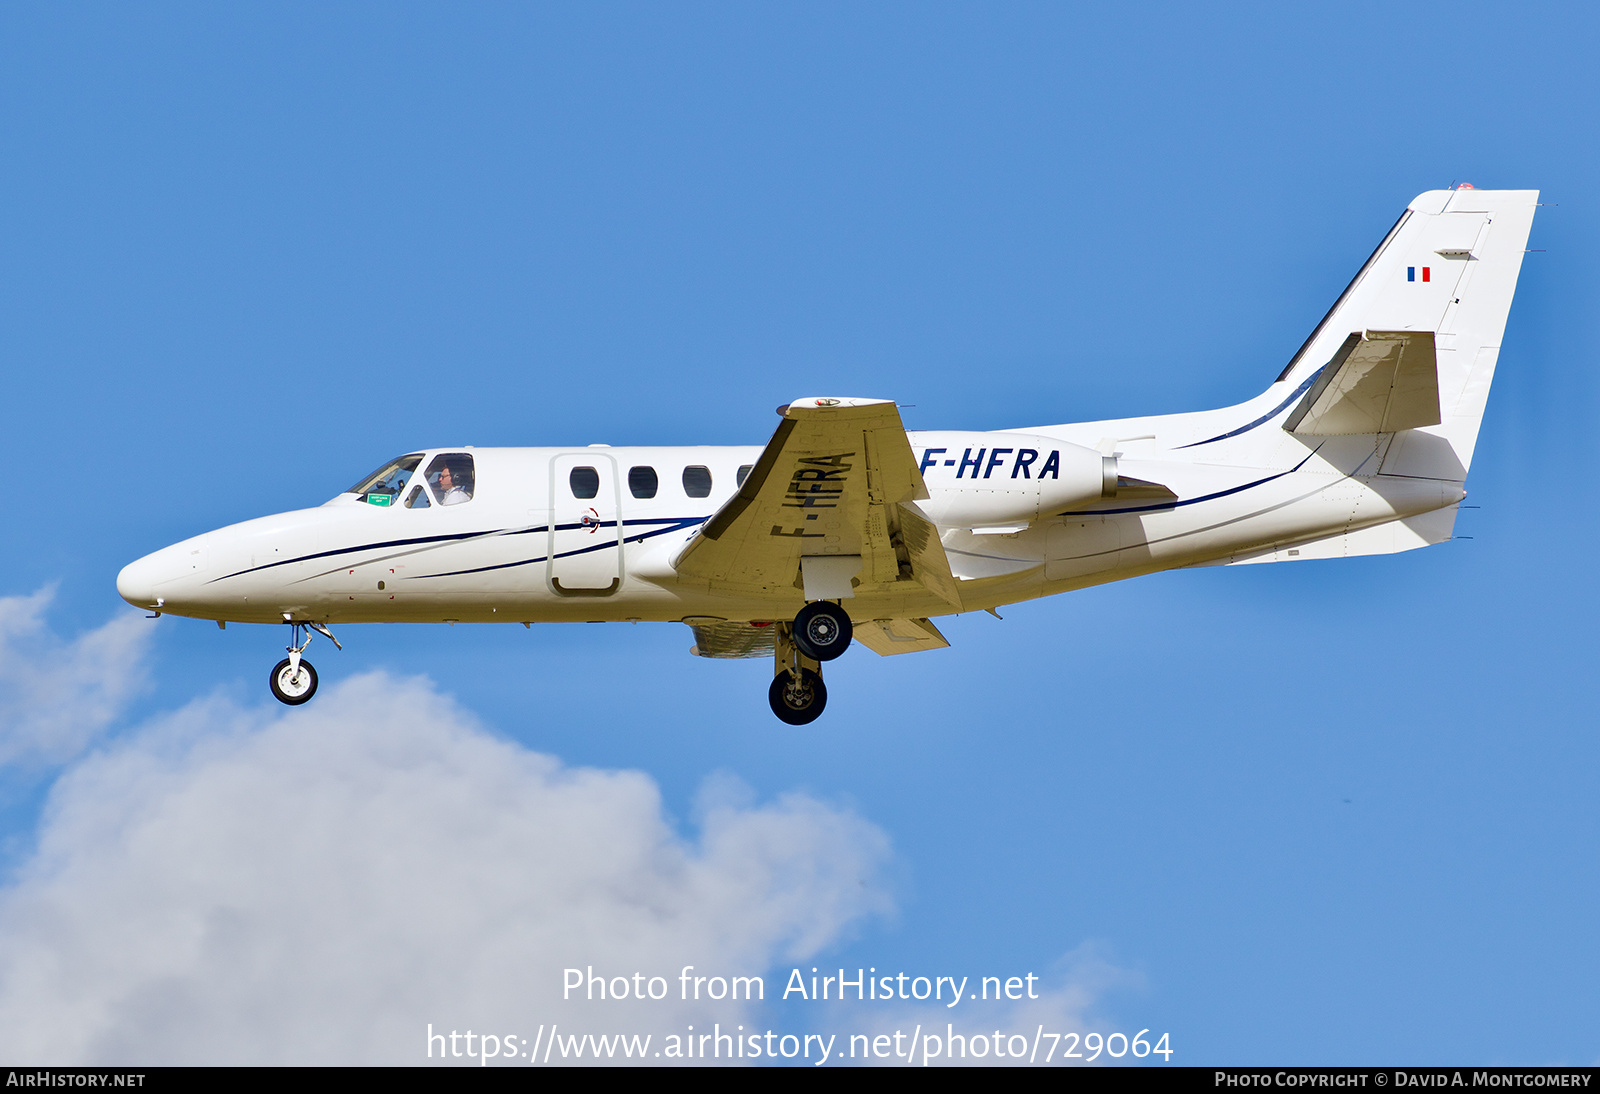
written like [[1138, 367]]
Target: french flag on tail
[[1411, 273]]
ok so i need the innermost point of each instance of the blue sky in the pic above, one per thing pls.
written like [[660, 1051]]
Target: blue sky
[[1338, 812]]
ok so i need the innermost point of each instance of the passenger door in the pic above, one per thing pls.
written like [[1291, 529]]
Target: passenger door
[[585, 538]]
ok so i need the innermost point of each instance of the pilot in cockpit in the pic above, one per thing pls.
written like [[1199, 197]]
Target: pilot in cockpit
[[452, 481]]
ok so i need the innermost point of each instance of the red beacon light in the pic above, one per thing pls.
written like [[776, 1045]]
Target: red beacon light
[[1466, 186]]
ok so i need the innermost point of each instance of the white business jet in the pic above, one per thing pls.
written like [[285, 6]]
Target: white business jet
[[846, 527]]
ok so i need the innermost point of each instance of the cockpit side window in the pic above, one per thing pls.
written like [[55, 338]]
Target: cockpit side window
[[452, 478], [384, 486]]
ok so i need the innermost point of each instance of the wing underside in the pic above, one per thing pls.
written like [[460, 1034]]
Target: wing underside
[[826, 511]]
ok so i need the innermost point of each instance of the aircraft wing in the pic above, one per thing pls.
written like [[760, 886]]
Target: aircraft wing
[[886, 637], [827, 508]]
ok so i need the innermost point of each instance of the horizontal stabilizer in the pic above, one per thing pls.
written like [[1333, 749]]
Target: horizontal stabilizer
[[1379, 382]]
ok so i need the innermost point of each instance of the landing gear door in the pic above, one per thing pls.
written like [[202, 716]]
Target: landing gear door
[[584, 556]]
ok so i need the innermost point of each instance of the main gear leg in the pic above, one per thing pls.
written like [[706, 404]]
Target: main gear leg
[[797, 693]]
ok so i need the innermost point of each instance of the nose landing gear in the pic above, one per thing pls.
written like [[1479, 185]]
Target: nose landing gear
[[293, 684], [294, 680]]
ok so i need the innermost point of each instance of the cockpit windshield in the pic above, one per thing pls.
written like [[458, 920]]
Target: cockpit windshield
[[384, 485]]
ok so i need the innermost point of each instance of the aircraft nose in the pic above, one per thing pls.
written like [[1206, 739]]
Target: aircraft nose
[[171, 573], [137, 582]]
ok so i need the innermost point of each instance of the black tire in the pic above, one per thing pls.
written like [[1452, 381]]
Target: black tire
[[797, 705], [822, 631], [293, 692]]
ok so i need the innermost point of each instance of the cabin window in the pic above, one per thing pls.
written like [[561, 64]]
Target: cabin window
[[451, 477], [697, 481], [585, 482], [642, 482], [742, 474], [385, 485]]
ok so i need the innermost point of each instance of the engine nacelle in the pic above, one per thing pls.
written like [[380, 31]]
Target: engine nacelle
[[1006, 481]]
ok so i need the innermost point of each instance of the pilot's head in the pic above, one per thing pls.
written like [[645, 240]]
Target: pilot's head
[[456, 474]]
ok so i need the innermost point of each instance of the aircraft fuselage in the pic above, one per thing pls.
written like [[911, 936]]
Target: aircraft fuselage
[[525, 549]]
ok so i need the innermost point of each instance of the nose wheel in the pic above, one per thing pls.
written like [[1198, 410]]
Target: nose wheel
[[293, 684], [294, 680]]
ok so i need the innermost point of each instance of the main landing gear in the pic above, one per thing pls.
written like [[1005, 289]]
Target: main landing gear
[[822, 630], [294, 680], [819, 633]]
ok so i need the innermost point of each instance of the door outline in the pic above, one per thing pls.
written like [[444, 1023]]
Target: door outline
[[563, 462]]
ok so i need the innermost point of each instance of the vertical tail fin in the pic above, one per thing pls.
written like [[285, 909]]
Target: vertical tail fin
[[1449, 266]]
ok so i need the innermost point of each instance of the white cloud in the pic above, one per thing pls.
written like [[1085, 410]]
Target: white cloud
[[230, 885], [316, 885], [55, 697]]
